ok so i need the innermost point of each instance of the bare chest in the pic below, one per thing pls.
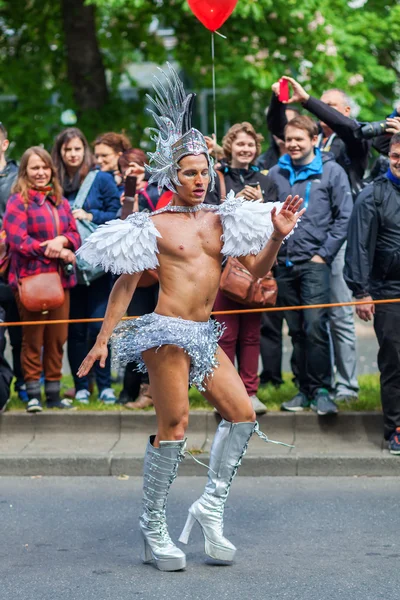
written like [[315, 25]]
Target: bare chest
[[189, 237]]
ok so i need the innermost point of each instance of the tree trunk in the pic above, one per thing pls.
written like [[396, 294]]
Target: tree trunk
[[85, 65]]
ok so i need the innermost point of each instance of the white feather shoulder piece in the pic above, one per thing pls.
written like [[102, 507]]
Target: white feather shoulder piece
[[118, 246], [247, 225]]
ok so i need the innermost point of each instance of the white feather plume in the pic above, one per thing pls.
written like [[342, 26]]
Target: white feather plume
[[247, 226], [128, 246]]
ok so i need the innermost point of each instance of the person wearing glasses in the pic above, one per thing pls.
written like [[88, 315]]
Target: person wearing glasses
[[372, 272]]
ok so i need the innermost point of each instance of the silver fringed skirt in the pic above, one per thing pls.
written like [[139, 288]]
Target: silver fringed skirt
[[197, 338]]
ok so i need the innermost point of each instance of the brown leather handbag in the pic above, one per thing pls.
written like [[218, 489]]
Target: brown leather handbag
[[41, 292], [238, 284], [44, 291]]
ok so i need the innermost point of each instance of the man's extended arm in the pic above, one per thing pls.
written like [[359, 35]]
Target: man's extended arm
[[118, 303], [342, 205], [276, 117]]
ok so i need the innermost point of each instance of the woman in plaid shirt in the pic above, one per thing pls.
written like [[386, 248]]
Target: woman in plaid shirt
[[38, 245]]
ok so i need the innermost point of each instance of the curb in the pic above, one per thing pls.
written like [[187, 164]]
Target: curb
[[253, 466], [87, 443]]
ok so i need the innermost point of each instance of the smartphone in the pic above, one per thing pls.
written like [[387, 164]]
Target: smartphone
[[130, 186], [283, 90], [130, 192], [254, 184]]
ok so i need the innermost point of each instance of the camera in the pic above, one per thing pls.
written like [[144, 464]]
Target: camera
[[68, 269], [370, 130]]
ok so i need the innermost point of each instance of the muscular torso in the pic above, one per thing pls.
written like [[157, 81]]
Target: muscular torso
[[190, 263]]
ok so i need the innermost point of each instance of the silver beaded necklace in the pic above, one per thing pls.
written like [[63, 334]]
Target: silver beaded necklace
[[183, 209]]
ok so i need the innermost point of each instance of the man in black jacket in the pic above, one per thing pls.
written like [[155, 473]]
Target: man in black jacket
[[303, 270], [372, 272]]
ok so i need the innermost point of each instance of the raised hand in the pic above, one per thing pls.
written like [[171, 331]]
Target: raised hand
[[285, 221], [393, 125], [299, 93]]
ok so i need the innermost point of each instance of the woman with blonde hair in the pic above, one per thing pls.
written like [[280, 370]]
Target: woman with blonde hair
[[42, 237]]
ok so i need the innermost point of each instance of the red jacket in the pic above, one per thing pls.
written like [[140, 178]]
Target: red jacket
[[28, 227]]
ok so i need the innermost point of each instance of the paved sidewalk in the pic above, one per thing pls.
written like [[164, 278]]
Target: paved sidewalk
[[112, 443]]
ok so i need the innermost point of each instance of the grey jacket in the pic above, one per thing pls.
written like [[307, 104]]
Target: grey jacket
[[325, 188]]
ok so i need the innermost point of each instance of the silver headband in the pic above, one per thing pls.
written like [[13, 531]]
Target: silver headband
[[174, 136]]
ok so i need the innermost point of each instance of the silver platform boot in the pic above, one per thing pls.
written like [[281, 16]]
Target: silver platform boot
[[228, 448], [160, 470]]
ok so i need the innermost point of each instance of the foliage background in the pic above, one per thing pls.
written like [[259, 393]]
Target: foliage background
[[324, 43]]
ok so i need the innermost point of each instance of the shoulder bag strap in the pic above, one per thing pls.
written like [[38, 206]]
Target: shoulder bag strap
[[84, 190], [222, 185]]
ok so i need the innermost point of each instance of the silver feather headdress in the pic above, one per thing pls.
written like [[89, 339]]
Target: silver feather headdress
[[174, 136]]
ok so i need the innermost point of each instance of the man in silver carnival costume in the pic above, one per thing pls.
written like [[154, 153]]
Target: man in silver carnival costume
[[178, 343]]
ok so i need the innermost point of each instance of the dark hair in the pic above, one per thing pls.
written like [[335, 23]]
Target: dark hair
[[232, 134], [63, 138], [305, 123], [395, 139], [131, 155], [22, 185], [117, 141], [3, 131]]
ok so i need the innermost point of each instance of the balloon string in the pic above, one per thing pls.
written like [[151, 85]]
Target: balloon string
[[213, 84], [220, 35]]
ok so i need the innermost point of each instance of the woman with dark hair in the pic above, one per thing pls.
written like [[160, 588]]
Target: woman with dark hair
[[42, 237], [108, 147], [94, 199], [242, 146]]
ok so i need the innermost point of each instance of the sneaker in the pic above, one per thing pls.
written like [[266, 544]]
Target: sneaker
[[22, 393], [322, 403], [62, 404], [394, 442], [82, 396], [258, 406], [108, 396], [296, 404], [347, 398], [34, 406]]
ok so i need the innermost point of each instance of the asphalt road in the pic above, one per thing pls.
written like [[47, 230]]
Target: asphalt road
[[297, 539]]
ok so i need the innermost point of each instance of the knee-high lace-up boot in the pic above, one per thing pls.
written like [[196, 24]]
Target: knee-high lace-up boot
[[160, 470], [228, 448]]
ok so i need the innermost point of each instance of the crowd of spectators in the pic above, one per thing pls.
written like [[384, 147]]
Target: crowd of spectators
[[348, 242]]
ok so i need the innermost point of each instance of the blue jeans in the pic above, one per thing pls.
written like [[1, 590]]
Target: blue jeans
[[302, 284], [88, 302]]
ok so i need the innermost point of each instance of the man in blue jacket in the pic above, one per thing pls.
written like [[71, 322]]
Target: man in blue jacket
[[303, 269]]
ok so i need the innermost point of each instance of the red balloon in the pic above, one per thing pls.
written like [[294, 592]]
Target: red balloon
[[212, 13]]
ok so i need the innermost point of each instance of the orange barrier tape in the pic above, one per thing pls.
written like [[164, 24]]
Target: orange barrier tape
[[217, 312]]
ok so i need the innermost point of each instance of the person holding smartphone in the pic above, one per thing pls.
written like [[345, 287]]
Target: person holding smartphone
[[238, 172]]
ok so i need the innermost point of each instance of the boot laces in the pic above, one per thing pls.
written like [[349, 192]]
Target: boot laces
[[267, 439]]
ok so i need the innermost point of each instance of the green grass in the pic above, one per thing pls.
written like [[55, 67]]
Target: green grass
[[369, 396]]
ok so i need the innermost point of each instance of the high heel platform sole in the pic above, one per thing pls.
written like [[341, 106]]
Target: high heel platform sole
[[162, 564], [212, 549]]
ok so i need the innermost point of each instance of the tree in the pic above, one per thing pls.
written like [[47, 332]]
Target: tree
[[49, 67]]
